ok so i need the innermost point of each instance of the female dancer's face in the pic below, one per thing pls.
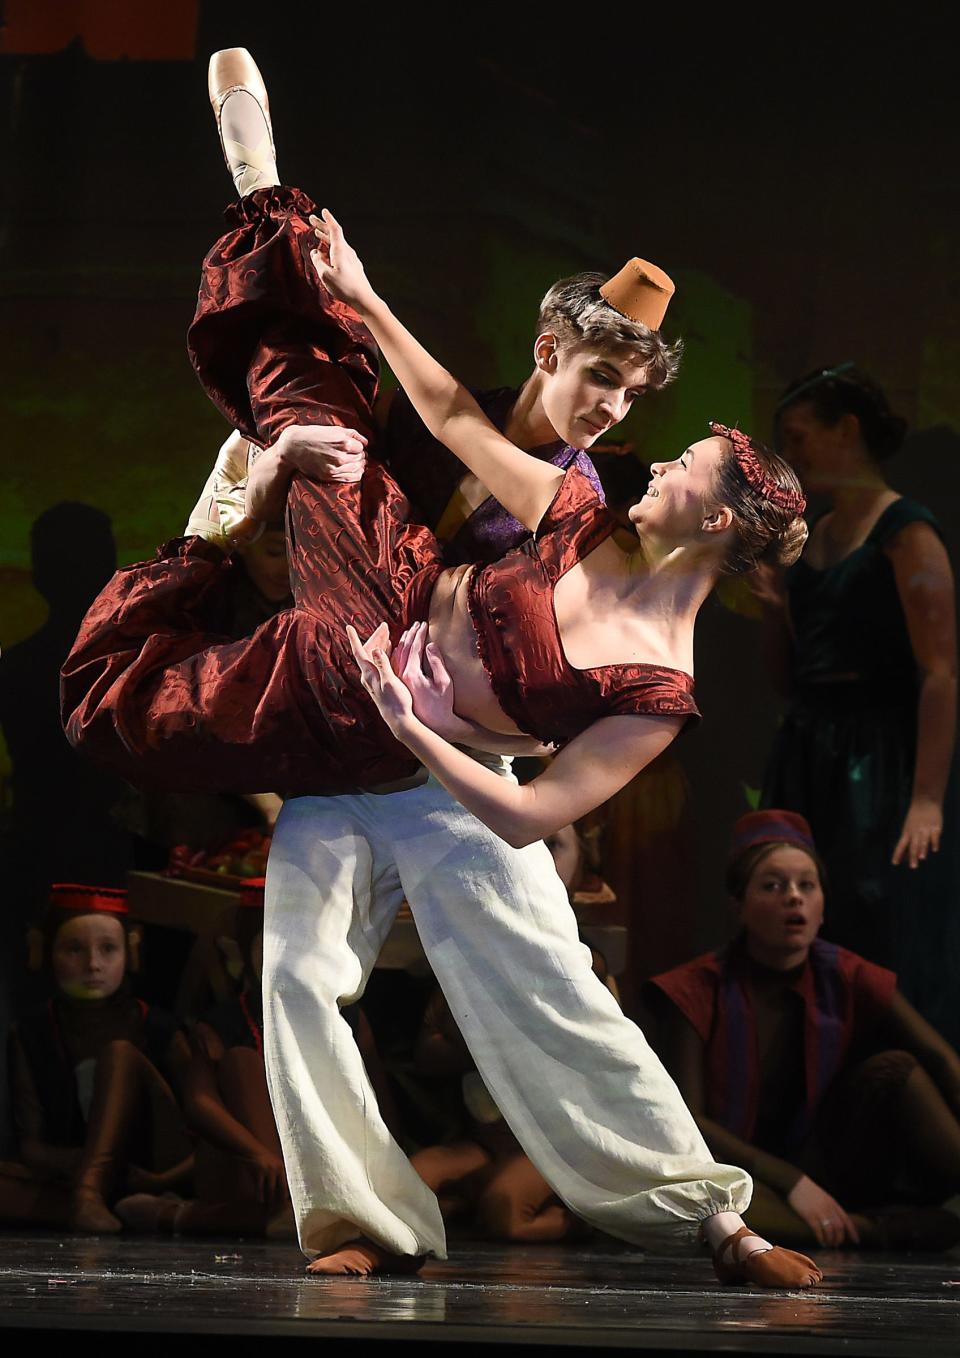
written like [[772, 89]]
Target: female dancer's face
[[782, 907], [89, 957], [679, 496], [586, 391]]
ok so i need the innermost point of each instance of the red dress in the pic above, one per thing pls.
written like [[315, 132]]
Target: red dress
[[153, 694]]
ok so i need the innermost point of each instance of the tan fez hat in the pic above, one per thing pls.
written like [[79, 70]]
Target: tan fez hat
[[641, 292]]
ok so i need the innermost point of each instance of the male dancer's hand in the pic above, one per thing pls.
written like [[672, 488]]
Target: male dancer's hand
[[321, 452], [338, 265], [388, 691], [420, 665]]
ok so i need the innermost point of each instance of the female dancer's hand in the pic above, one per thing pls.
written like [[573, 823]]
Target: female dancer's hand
[[921, 832], [823, 1214], [432, 693], [338, 265], [388, 691]]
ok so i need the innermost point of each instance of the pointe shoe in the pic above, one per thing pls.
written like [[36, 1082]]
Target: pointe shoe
[[255, 166], [776, 1267], [220, 516]]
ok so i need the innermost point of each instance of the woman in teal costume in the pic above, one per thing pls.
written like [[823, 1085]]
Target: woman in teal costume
[[867, 645]]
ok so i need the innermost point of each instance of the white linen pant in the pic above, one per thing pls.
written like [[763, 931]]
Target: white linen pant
[[581, 1089]]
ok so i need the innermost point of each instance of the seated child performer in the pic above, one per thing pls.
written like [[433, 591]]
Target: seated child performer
[[241, 1184], [93, 1074], [804, 1063], [240, 1181]]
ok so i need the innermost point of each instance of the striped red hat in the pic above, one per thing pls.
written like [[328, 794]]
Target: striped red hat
[[83, 899], [251, 892]]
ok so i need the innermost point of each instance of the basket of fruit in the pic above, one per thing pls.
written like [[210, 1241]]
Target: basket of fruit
[[227, 865]]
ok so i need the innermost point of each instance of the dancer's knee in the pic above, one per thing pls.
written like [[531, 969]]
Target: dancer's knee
[[120, 1055]]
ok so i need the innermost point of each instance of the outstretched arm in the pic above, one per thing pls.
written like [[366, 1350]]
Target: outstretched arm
[[524, 485]]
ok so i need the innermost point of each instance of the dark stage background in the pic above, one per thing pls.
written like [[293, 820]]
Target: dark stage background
[[796, 176]]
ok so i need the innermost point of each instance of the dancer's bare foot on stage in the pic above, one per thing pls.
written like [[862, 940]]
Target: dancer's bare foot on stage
[[745, 1257], [362, 1259]]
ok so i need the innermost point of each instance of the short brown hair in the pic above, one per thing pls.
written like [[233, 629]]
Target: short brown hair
[[574, 311]]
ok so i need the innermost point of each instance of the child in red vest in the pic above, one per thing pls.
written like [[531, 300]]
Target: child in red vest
[[803, 1063]]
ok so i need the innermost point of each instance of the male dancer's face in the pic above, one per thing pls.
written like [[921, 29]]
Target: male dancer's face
[[587, 390]]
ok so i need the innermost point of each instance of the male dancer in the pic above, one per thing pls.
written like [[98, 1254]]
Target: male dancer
[[617, 1145]]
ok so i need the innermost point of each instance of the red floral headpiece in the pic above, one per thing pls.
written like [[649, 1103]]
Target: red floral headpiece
[[743, 450]]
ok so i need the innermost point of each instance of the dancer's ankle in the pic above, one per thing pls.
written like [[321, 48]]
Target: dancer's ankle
[[239, 98], [719, 1228]]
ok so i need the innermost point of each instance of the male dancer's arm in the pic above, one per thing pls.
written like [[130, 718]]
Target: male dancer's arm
[[587, 772]]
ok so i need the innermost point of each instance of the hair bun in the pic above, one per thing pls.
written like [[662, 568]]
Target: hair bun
[[790, 543]]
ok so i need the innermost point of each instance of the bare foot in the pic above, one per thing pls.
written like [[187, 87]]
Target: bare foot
[[361, 1259], [90, 1215], [746, 1257]]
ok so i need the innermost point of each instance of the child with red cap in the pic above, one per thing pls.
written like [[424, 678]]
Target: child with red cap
[[802, 1062], [93, 1073]]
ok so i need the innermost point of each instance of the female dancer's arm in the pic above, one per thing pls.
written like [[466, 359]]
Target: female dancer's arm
[[524, 485], [586, 773], [924, 580]]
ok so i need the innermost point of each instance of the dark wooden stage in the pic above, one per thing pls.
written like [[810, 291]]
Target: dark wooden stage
[[139, 1295]]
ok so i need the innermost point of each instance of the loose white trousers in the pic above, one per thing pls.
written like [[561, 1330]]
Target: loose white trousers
[[580, 1087]]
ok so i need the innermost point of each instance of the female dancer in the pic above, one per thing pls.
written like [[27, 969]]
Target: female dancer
[[147, 685], [867, 749]]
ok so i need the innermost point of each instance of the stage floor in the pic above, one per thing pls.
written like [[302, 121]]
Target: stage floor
[[594, 1296]]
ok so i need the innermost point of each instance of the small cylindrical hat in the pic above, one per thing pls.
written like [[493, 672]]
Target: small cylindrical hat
[[641, 292], [771, 827]]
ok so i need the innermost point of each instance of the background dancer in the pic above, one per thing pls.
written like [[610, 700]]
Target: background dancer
[[867, 748], [363, 532]]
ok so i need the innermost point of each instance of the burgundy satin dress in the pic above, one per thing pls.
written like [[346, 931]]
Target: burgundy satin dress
[[152, 693]]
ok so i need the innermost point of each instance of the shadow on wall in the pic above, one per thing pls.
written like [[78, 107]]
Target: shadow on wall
[[59, 827]]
